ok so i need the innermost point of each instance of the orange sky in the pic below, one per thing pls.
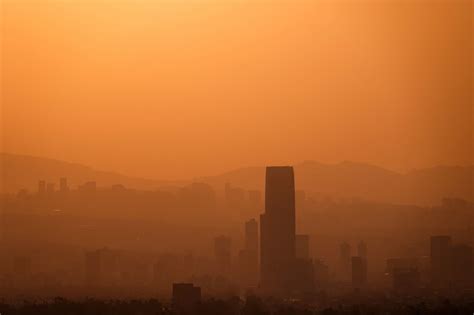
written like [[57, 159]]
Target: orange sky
[[175, 89]]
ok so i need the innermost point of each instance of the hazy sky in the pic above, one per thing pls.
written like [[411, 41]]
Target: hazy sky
[[175, 89]]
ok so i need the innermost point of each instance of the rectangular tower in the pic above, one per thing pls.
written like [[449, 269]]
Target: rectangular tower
[[277, 231]]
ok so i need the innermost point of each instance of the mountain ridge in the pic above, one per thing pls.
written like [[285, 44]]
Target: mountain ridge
[[346, 179]]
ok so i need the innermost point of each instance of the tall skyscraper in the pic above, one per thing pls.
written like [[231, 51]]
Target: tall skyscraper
[[277, 230]]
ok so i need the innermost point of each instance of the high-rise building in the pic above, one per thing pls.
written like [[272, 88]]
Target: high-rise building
[[302, 246], [222, 251], [277, 231], [359, 272], [345, 261], [441, 247]]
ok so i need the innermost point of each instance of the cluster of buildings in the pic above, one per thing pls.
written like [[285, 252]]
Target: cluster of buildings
[[275, 258]]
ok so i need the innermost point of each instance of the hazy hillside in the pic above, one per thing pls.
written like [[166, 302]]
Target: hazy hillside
[[20, 171], [349, 179], [344, 180]]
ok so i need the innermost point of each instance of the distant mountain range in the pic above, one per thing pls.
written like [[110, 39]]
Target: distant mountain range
[[342, 180], [358, 180], [23, 172]]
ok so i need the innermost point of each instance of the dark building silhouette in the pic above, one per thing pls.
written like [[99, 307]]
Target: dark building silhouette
[[359, 272], [277, 231], [186, 297], [405, 280], [441, 250], [223, 254], [345, 261], [303, 273], [321, 274], [462, 266], [302, 246]]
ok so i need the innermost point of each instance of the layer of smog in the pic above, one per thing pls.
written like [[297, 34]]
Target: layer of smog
[[222, 157]]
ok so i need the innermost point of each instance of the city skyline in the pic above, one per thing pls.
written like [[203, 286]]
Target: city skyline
[[223, 157]]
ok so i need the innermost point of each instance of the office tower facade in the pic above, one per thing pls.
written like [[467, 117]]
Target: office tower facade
[[277, 231], [222, 251], [441, 246], [359, 272]]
